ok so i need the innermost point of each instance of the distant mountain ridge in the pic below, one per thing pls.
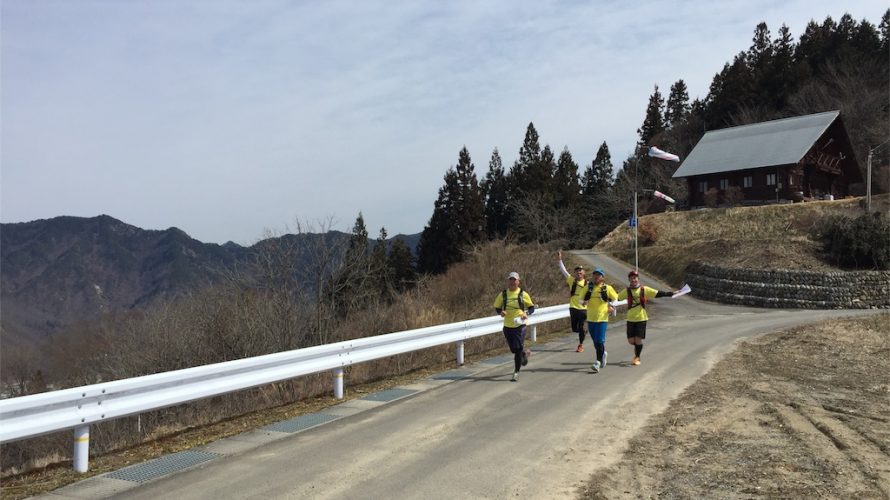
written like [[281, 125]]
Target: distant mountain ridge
[[55, 272]]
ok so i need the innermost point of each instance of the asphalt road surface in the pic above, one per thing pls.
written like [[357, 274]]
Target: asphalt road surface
[[487, 437]]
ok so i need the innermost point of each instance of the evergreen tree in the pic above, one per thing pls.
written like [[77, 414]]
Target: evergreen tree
[[782, 80], [358, 242], [866, 44], [760, 65], [378, 266], [730, 91], [540, 177], [885, 32], [469, 202], [528, 163], [566, 186], [598, 176], [458, 218], [435, 251], [494, 186], [401, 266], [677, 104], [345, 289], [653, 123]]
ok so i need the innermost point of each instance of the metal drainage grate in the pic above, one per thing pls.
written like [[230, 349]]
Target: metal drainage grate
[[162, 466], [498, 360], [452, 375], [300, 423], [389, 395]]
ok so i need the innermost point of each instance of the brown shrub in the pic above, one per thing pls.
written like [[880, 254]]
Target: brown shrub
[[647, 232], [711, 198], [733, 196]]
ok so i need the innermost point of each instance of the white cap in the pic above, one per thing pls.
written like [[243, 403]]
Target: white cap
[[514, 274]]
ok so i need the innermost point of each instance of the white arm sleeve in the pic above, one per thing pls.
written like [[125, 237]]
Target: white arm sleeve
[[562, 268]]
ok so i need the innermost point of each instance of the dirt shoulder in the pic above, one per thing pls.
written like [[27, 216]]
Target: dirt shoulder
[[795, 414]]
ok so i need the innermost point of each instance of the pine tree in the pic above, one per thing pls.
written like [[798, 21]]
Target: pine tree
[[435, 249], [358, 242], [885, 32], [731, 90], [677, 104], [783, 80], [494, 186], [653, 123], [469, 202], [401, 266], [378, 264], [598, 176], [458, 218], [540, 176], [761, 52], [527, 164], [566, 186], [345, 288]]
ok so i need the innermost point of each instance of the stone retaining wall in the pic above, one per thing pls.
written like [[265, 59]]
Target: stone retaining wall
[[790, 289]]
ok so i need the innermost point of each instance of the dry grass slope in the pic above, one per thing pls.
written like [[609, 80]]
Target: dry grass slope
[[764, 237]]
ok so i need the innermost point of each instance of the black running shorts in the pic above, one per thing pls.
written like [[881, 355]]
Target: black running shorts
[[636, 329]]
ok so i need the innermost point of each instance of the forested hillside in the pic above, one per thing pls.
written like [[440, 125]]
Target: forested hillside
[[546, 196]]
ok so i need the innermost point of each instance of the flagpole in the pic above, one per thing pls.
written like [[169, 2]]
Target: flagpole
[[636, 224]]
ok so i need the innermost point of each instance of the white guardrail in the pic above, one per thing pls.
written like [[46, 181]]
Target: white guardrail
[[78, 408]]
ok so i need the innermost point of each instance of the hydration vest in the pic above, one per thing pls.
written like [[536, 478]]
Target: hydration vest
[[575, 287], [630, 298], [518, 299]]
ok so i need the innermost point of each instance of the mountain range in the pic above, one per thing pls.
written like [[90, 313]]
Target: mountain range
[[64, 270]]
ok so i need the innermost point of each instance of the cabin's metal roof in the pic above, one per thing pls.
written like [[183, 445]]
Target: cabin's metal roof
[[777, 142]]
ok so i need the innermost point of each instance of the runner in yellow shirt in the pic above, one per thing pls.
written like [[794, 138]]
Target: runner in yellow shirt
[[577, 287], [514, 305], [597, 299], [637, 296]]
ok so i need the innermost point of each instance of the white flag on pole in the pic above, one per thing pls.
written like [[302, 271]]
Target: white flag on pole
[[681, 292], [662, 155]]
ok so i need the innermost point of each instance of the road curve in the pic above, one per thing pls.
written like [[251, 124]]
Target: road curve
[[486, 437]]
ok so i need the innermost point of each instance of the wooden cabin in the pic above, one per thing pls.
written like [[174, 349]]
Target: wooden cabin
[[793, 159]]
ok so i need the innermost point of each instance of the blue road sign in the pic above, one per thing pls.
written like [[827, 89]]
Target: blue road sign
[[632, 222]]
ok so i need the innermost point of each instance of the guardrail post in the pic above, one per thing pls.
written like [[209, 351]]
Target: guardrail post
[[460, 353], [338, 383], [534, 335], [81, 448]]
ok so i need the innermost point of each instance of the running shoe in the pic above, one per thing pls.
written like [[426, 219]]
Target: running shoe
[[515, 377], [595, 367], [524, 358], [580, 348], [605, 355], [636, 361]]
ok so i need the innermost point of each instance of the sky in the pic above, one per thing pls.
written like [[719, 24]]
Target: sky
[[232, 120]]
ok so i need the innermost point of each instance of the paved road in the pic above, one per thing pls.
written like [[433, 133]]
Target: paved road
[[485, 437]]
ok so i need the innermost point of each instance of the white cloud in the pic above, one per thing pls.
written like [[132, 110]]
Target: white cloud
[[224, 118]]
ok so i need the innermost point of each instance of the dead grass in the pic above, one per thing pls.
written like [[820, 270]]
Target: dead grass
[[764, 237], [467, 290], [60, 474]]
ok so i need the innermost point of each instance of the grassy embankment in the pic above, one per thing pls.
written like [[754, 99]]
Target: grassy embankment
[[763, 237]]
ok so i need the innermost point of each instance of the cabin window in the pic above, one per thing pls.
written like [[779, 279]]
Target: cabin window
[[702, 186], [770, 179], [747, 181], [724, 183]]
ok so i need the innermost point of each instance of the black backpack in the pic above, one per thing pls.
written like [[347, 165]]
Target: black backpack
[[518, 299]]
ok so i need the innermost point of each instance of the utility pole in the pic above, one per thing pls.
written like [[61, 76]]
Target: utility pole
[[868, 175], [868, 181]]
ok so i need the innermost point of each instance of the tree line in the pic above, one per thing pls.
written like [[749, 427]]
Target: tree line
[[834, 65]]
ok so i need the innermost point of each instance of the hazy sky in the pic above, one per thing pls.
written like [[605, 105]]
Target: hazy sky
[[225, 118]]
